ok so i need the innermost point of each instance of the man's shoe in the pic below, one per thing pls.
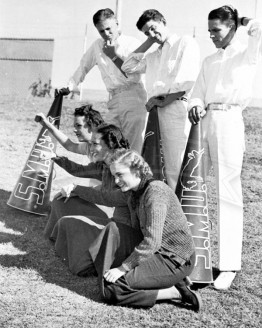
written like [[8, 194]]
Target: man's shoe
[[224, 280], [190, 297]]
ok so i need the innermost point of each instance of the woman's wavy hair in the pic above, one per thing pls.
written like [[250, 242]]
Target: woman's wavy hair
[[150, 14], [112, 136], [92, 116], [225, 13], [133, 160]]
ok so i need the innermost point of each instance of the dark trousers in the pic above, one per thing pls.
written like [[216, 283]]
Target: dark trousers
[[138, 287]]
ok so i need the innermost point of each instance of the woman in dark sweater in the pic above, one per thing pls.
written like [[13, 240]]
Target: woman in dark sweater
[[67, 223], [150, 259]]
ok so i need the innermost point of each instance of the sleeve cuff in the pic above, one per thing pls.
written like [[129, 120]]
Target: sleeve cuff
[[137, 55], [59, 159], [126, 267], [195, 102], [72, 86], [131, 61]]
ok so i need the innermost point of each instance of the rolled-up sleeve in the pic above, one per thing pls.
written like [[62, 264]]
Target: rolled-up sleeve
[[135, 63], [254, 49], [88, 61]]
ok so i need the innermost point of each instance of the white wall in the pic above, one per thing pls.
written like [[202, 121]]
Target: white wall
[[66, 20]]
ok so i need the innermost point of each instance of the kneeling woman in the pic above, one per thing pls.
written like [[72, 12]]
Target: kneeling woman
[[150, 260]]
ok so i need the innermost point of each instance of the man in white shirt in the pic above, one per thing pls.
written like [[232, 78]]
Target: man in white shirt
[[221, 92], [127, 95], [171, 71]]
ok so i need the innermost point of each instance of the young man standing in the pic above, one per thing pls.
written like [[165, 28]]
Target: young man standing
[[222, 91], [171, 71], [127, 95]]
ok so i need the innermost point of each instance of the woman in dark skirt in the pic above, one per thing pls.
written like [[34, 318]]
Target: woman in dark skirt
[[69, 224], [105, 139]]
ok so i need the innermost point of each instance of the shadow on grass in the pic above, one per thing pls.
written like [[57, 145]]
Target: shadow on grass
[[26, 248], [31, 250]]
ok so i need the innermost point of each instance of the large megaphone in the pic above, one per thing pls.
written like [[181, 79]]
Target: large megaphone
[[152, 150], [32, 190], [191, 190]]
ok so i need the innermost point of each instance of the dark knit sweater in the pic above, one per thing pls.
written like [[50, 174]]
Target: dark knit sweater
[[158, 213]]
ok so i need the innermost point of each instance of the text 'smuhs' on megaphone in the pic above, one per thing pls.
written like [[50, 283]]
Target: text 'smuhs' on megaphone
[[191, 191], [152, 150], [33, 188]]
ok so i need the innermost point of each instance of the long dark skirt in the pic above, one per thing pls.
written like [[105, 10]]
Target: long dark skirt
[[73, 236], [74, 206]]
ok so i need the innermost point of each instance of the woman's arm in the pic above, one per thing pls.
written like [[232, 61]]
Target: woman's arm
[[102, 196], [92, 170], [152, 229], [67, 143]]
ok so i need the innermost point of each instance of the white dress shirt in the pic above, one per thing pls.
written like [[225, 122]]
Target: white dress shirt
[[171, 68], [227, 76], [111, 75]]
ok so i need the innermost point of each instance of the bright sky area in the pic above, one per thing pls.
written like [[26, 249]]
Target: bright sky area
[[67, 20]]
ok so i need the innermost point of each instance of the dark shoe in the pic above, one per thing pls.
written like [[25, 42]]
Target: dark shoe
[[190, 297], [88, 272]]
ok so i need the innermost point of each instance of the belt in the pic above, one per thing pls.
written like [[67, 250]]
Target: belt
[[220, 106], [123, 88]]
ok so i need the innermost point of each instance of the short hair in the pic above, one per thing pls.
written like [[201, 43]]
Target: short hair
[[103, 14], [92, 116], [225, 13], [112, 136], [150, 14], [133, 160]]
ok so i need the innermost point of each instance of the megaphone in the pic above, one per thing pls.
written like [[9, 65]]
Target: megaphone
[[152, 150], [191, 191], [33, 188]]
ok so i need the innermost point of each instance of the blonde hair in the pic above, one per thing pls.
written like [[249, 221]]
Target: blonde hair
[[133, 160]]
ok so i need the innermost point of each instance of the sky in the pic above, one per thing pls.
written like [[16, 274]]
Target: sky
[[66, 21]]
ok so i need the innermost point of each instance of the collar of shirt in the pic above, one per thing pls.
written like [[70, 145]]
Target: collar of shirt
[[232, 48], [117, 41], [170, 41]]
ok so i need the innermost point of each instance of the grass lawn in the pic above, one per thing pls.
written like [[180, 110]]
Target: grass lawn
[[38, 290]]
